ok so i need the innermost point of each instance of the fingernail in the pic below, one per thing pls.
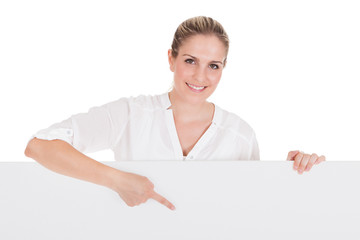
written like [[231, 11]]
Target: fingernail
[[172, 208]]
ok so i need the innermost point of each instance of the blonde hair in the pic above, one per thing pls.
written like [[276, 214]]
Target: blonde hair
[[198, 25]]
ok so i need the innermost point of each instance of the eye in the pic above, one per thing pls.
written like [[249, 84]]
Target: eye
[[189, 60], [214, 66]]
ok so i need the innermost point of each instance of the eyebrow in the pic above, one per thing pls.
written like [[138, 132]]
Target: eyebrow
[[197, 58]]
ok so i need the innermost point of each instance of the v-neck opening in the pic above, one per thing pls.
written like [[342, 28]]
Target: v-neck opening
[[205, 137]]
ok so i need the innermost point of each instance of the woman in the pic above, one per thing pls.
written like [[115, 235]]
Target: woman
[[179, 125]]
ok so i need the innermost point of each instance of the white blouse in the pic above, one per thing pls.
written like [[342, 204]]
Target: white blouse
[[143, 128]]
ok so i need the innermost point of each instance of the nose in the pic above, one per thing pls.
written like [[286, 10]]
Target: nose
[[200, 75]]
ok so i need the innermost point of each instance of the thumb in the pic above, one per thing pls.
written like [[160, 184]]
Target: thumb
[[292, 154]]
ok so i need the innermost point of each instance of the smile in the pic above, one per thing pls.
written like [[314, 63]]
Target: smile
[[196, 88]]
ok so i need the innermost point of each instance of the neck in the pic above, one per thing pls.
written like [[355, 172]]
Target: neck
[[185, 111]]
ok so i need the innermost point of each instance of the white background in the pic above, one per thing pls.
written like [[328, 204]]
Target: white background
[[291, 74]]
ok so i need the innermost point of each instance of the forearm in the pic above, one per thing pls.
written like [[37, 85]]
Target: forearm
[[59, 156]]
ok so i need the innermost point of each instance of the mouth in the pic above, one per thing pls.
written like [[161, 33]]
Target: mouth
[[195, 88]]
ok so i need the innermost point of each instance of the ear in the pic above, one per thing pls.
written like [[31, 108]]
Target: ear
[[171, 60]]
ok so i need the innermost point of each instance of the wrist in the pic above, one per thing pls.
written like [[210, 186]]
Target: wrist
[[113, 178]]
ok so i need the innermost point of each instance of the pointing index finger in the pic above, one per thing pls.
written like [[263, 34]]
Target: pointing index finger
[[162, 200]]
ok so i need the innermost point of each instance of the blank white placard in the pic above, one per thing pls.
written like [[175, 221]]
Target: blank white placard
[[214, 200]]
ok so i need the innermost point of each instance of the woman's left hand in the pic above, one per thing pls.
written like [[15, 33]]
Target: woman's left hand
[[304, 162]]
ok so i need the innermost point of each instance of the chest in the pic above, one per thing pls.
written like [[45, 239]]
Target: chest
[[190, 133]]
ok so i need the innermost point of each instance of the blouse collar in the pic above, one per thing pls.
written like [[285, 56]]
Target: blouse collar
[[165, 100]]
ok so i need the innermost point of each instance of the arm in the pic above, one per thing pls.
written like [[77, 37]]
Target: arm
[[61, 157]]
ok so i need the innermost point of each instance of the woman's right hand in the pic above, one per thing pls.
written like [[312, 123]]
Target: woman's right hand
[[61, 157], [135, 189]]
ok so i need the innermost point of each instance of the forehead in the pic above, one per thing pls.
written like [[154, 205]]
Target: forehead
[[206, 47]]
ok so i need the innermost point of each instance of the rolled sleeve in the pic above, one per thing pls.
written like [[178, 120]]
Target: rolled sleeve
[[95, 130], [62, 130]]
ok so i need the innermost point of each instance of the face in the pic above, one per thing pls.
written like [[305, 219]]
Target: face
[[197, 68]]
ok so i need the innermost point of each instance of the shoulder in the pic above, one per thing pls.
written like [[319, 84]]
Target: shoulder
[[232, 124], [147, 102], [144, 102]]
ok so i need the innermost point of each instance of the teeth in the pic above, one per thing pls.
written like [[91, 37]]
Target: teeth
[[196, 88]]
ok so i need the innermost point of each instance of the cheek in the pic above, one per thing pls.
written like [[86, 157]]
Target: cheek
[[215, 77], [182, 73]]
